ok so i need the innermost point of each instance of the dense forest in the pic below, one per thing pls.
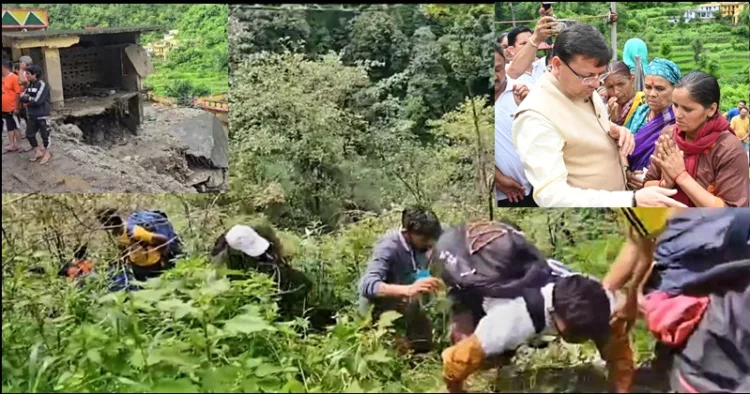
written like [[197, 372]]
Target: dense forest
[[194, 331], [339, 110], [716, 47], [196, 67]]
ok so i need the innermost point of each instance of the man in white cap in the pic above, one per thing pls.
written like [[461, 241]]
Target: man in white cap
[[245, 239], [257, 248]]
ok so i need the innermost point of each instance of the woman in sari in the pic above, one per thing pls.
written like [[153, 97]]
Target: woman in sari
[[649, 120], [700, 156], [623, 100]]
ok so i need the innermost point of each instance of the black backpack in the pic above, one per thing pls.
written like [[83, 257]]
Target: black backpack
[[489, 259], [704, 251]]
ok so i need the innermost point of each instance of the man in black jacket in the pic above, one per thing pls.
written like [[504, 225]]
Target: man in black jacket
[[37, 98]]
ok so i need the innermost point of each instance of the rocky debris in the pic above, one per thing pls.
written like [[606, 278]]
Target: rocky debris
[[69, 132], [206, 140], [103, 129], [209, 180], [151, 162]]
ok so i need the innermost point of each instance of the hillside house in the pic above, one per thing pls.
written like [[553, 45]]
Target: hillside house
[[161, 49], [714, 10], [88, 70]]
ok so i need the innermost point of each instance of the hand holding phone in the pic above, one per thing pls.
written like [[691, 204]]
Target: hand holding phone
[[546, 9]]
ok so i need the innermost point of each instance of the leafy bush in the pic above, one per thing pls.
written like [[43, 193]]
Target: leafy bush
[[322, 138], [192, 330], [184, 91]]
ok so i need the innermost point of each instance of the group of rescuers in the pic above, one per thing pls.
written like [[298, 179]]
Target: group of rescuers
[[686, 271]]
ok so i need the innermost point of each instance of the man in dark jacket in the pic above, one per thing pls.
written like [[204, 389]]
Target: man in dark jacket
[[37, 98]]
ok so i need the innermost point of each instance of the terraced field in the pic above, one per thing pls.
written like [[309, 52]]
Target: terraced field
[[724, 45]]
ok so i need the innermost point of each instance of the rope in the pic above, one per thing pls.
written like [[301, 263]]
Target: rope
[[536, 20], [262, 8]]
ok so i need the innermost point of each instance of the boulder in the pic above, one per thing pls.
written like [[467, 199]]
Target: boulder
[[205, 138]]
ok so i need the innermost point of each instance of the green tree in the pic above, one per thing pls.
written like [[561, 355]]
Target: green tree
[[633, 25], [428, 80], [697, 46], [709, 64], [291, 128], [375, 39], [665, 49]]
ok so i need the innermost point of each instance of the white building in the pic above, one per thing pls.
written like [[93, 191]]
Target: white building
[[713, 10]]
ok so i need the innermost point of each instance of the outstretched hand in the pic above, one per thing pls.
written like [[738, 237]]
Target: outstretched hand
[[429, 285], [626, 311]]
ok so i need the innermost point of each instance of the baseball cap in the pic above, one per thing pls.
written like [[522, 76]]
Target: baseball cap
[[245, 239]]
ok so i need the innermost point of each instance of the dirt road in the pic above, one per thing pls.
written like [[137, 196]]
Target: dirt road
[[151, 162]]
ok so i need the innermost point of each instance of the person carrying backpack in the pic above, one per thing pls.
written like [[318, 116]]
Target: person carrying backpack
[[523, 296], [699, 299], [147, 240]]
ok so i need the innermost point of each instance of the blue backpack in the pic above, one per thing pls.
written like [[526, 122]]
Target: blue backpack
[[702, 250], [158, 223]]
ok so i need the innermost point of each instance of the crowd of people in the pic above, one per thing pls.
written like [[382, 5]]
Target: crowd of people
[[26, 108], [574, 129], [681, 268]]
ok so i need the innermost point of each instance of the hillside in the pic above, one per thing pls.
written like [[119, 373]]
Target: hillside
[[725, 47], [197, 68], [195, 331], [340, 111]]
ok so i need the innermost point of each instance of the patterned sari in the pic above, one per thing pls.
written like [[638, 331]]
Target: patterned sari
[[646, 133], [630, 107]]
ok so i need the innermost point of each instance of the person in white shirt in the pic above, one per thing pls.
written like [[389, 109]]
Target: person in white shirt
[[534, 298], [525, 67], [512, 189], [504, 44]]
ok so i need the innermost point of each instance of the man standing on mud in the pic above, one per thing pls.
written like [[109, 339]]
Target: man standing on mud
[[398, 274], [11, 106], [38, 108]]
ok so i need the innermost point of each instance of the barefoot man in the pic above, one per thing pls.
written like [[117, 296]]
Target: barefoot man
[[38, 108], [11, 106]]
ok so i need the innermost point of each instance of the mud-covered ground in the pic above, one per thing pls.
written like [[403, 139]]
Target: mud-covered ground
[[114, 161]]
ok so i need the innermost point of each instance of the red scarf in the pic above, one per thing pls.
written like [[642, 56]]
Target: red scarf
[[704, 141]]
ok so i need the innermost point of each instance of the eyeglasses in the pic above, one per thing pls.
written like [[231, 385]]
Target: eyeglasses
[[587, 81]]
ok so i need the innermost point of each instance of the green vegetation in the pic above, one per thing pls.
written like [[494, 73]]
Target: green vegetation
[[716, 47], [199, 62], [192, 330], [336, 113]]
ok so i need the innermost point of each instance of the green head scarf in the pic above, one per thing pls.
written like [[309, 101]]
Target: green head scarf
[[664, 68], [635, 47]]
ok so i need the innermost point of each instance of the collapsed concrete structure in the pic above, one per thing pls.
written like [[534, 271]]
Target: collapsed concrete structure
[[89, 71], [95, 77]]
